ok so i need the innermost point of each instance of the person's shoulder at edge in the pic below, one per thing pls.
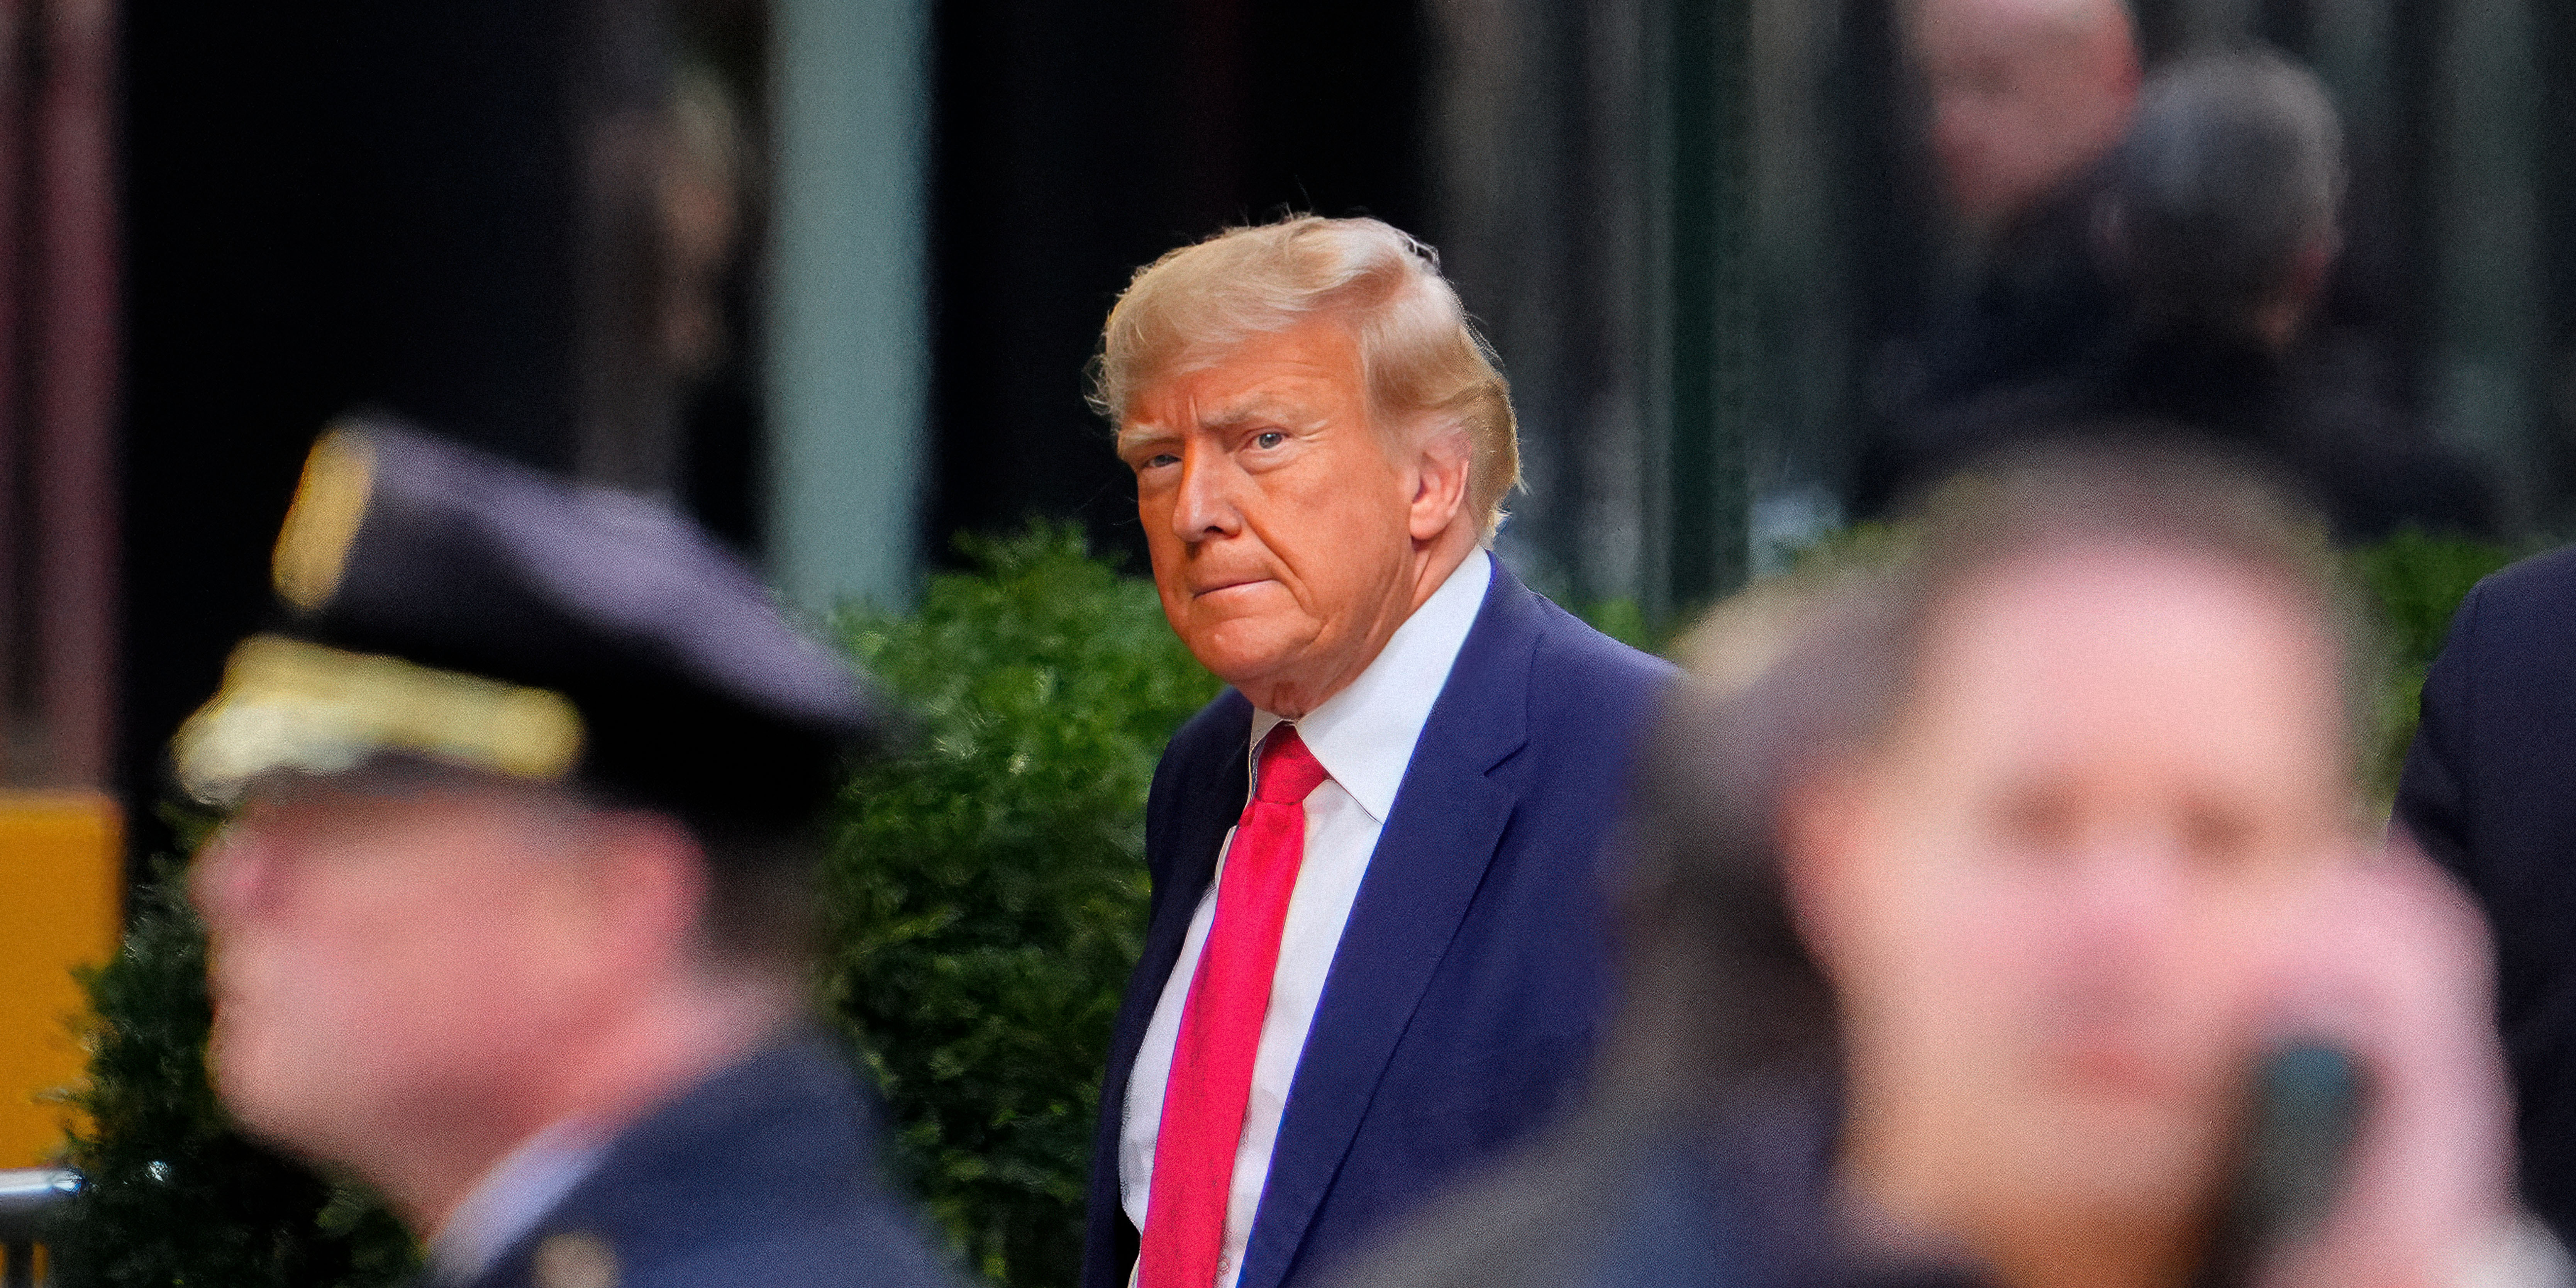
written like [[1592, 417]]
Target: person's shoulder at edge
[[2545, 582], [1573, 649], [2509, 630], [2508, 634], [874, 1244]]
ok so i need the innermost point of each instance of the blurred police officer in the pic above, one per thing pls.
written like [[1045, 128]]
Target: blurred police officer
[[510, 919]]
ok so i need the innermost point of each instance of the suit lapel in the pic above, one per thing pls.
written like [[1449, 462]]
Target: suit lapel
[[1430, 859], [1205, 809]]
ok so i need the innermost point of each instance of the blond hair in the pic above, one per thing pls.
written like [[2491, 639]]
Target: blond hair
[[1419, 355]]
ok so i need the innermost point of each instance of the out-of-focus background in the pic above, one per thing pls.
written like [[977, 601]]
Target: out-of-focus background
[[827, 273]]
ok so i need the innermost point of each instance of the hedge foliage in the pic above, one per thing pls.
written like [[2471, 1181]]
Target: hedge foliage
[[984, 898], [986, 894]]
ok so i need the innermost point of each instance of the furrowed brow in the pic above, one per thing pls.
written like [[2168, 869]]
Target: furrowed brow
[[1254, 411], [1258, 409], [1132, 438]]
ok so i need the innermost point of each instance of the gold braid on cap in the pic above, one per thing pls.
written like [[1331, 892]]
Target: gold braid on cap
[[291, 705], [330, 506]]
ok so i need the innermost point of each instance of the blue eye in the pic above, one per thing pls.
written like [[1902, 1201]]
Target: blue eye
[[1269, 438]]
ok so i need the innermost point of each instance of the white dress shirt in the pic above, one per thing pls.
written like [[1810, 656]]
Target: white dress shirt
[[1363, 736]]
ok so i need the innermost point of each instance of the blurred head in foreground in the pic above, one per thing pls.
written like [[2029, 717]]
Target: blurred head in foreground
[[2222, 207], [1968, 879], [2047, 828], [2024, 96], [2107, 757], [521, 780], [2077, 838]]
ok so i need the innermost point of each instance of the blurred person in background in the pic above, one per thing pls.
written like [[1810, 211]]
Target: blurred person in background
[[2489, 790], [2219, 217], [1958, 931], [1376, 952], [1698, 1155], [509, 920], [2025, 98]]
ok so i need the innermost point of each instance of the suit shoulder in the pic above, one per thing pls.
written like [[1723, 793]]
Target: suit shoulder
[[764, 1172], [2518, 622], [1589, 666], [870, 1245], [2540, 589]]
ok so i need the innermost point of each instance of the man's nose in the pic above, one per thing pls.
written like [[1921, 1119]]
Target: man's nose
[[231, 875], [1206, 504], [2131, 890]]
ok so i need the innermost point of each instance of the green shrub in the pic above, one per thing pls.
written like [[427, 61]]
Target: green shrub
[[986, 895]]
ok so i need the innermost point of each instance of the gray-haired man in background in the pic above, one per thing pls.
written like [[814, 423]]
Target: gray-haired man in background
[[2219, 217]]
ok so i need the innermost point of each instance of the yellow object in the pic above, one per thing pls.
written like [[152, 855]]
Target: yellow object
[[330, 506], [61, 892], [290, 704]]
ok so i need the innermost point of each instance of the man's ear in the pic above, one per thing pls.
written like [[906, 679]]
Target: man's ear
[[653, 887], [1821, 821], [1442, 459]]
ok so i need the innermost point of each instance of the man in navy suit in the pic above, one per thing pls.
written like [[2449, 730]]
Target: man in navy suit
[[1376, 953], [2489, 790], [509, 919]]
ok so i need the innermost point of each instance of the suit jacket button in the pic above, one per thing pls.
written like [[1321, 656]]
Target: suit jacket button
[[575, 1260]]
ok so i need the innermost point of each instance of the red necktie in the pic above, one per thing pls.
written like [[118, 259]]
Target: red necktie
[[1211, 1076]]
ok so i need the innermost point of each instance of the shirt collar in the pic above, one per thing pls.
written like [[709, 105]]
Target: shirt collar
[[512, 1197], [1364, 735]]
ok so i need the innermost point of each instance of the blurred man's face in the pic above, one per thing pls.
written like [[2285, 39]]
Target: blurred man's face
[[2051, 894], [398, 952], [1281, 523], [2024, 94]]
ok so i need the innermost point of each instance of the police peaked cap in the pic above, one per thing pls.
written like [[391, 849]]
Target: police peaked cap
[[441, 603]]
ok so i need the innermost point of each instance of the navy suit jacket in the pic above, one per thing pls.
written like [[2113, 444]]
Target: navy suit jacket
[[1474, 971], [2490, 791], [763, 1174]]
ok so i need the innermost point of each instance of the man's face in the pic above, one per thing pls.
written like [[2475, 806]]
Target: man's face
[[393, 952], [2058, 883], [1282, 523], [2022, 97]]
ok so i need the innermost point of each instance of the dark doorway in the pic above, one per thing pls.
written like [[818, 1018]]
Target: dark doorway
[[1076, 142]]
